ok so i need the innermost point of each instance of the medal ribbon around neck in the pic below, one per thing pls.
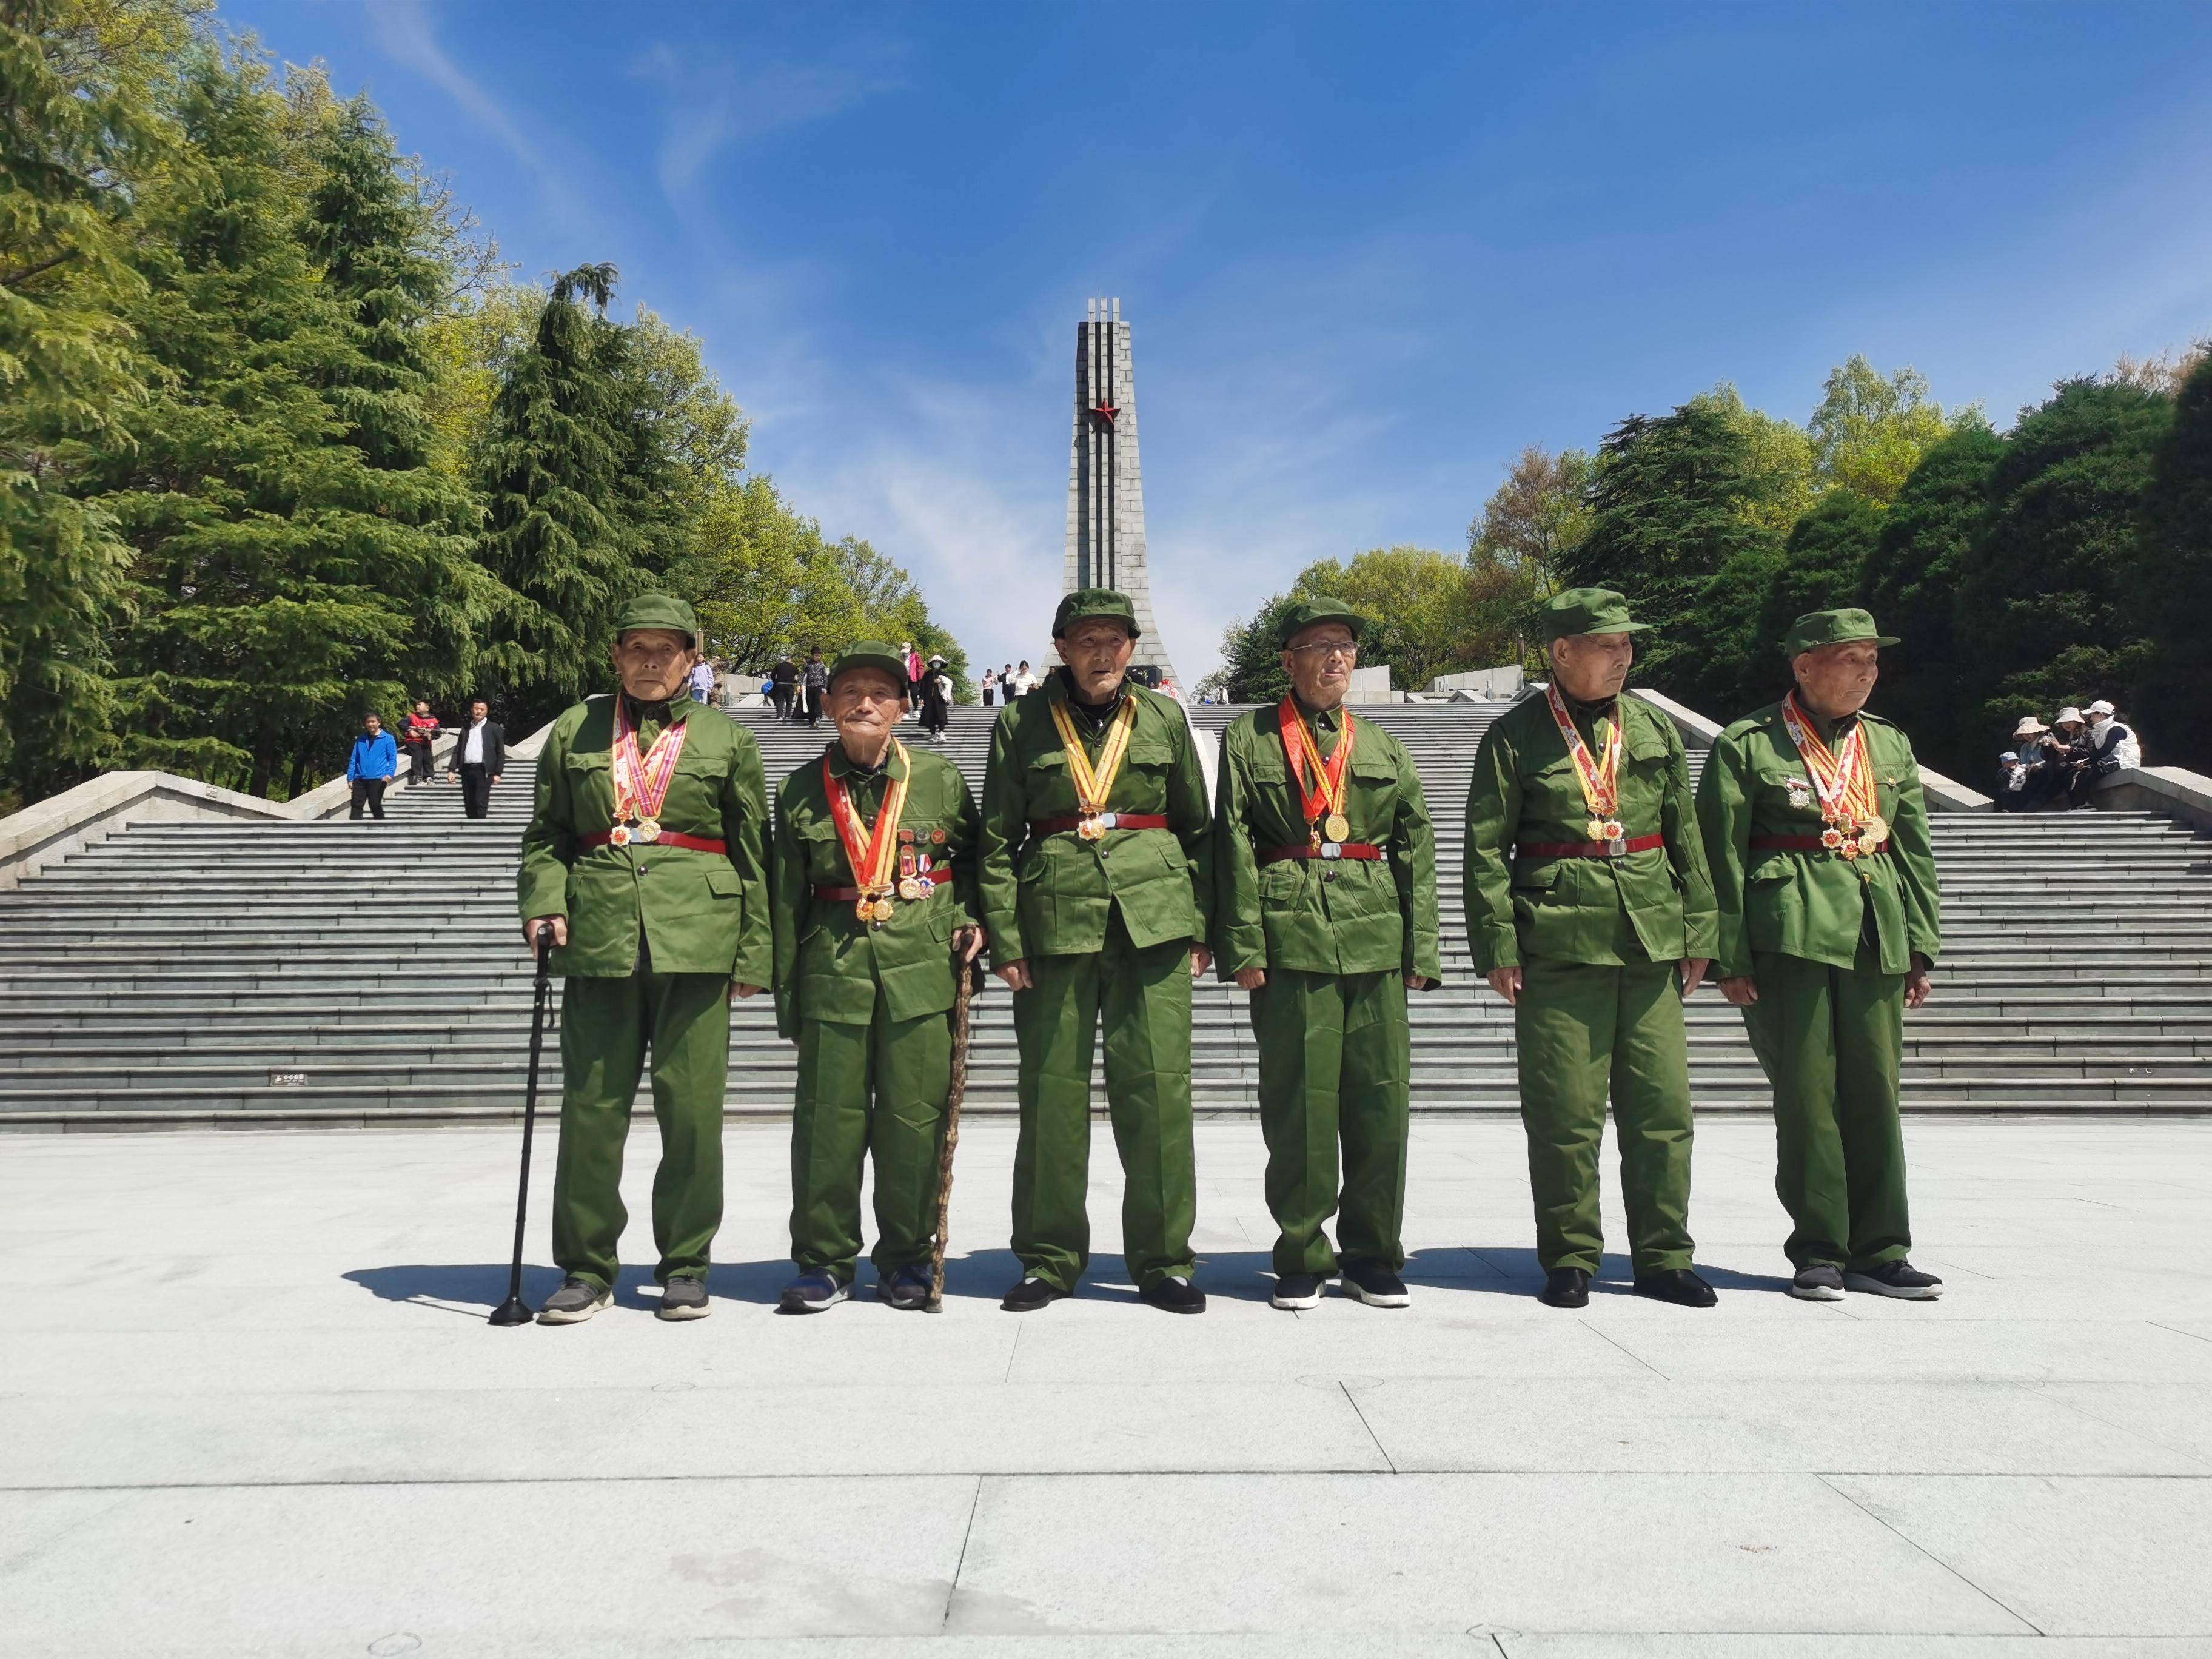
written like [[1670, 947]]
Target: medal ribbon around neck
[[1601, 778], [1843, 778], [1093, 783], [642, 784], [870, 853], [1300, 748]]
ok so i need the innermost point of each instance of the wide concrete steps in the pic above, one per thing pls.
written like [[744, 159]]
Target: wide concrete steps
[[374, 972]]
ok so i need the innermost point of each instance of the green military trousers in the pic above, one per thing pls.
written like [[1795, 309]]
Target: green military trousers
[[1336, 1061], [1585, 1030], [1143, 996], [607, 1025], [879, 1089], [1829, 1040]]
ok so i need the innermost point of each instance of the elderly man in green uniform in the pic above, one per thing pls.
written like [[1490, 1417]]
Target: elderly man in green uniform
[[646, 851], [874, 894], [1817, 831], [1325, 910], [1589, 909], [1097, 882]]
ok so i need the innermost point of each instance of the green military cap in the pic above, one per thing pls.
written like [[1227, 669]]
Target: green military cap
[[1086, 603], [657, 610], [1306, 613], [870, 654], [1579, 610], [1846, 627]]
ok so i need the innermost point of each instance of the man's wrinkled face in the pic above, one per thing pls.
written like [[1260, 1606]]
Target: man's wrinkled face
[[1097, 651], [1837, 679], [864, 702], [1319, 660], [653, 664], [1592, 667]]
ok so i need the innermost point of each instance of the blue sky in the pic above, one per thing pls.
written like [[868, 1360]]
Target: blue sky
[[1367, 252]]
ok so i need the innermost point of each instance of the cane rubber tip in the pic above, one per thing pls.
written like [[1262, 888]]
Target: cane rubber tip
[[933, 1307], [512, 1312]]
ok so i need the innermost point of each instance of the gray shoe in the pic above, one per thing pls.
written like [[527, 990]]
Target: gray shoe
[[1823, 1281], [814, 1291], [906, 1287], [1899, 1279], [684, 1297], [576, 1301]]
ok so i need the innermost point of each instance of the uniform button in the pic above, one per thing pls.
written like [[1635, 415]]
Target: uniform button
[[645, 869], [1328, 875]]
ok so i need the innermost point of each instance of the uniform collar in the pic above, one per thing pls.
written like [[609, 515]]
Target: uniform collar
[[668, 714], [1325, 719], [1061, 683], [842, 766]]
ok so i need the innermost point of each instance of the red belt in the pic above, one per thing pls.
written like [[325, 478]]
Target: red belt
[[1106, 821], [936, 879], [1586, 849], [1328, 849], [1799, 844], [666, 838]]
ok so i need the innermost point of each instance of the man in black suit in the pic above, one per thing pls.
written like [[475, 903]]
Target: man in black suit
[[479, 757]]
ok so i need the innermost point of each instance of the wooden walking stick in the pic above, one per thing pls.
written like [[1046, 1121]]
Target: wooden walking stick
[[962, 989]]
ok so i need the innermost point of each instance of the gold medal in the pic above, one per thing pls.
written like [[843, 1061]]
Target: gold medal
[[649, 830], [912, 888], [865, 911], [619, 836], [1339, 827], [1594, 830], [882, 911], [1613, 830], [1090, 828], [1872, 833]]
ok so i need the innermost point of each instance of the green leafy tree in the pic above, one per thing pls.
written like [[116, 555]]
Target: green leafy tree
[[1871, 430], [2174, 591], [1781, 480], [1251, 661], [2049, 606], [1749, 605]]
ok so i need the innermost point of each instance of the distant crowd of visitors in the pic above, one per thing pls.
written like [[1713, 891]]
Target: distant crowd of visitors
[[479, 757], [2057, 766]]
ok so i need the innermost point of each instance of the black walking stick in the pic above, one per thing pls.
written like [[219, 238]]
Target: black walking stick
[[514, 1311], [961, 991]]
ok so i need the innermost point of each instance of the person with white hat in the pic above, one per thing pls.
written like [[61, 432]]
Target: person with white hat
[[2068, 752], [2023, 770], [2111, 745]]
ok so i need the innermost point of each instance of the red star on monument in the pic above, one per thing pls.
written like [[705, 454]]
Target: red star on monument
[[1105, 412]]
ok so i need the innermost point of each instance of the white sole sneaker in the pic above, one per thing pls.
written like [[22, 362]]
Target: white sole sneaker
[[792, 1304], [1816, 1292], [1875, 1287], [1298, 1304], [664, 1311], [576, 1317], [1351, 1288]]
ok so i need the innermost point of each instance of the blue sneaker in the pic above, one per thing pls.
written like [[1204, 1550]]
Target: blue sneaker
[[906, 1286], [813, 1292]]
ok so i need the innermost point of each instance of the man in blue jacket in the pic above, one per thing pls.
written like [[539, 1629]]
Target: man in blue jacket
[[375, 762]]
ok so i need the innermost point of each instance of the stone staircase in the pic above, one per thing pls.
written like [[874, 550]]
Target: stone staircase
[[290, 972]]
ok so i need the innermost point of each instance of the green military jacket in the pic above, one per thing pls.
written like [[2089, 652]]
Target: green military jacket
[[1657, 903], [694, 912], [1321, 916], [1815, 904], [1050, 895], [829, 963]]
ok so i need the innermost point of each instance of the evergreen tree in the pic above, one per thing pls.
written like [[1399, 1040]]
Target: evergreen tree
[[551, 470], [1668, 512], [2049, 609], [1911, 583], [278, 573], [2173, 589]]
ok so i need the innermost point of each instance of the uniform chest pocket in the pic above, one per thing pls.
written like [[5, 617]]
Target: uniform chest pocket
[[816, 837]]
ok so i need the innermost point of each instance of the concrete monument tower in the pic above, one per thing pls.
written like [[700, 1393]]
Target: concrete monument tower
[[1105, 490]]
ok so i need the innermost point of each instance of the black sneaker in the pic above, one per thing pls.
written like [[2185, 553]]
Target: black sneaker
[[683, 1297], [1372, 1283], [1676, 1285], [1296, 1291], [576, 1301], [813, 1292], [906, 1286], [1565, 1287], [1032, 1294], [1899, 1279], [1823, 1281], [1174, 1295]]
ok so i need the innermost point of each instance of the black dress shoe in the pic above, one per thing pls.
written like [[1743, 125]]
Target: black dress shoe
[[1676, 1285], [1173, 1295], [1565, 1287], [1295, 1292], [1030, 1295]]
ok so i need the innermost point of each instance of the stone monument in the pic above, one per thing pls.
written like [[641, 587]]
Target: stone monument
[[1105, 490]]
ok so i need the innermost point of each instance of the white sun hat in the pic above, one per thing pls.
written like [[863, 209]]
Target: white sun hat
[[2029, 727], [2101, 707], [2069, 714]]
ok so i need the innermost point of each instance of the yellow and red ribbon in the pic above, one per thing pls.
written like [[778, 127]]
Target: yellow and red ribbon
[[1843, 778], [1326, 798], [869, 852], [642, 782], [1600, 777]]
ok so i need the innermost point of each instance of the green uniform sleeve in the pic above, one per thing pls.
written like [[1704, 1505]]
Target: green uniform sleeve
[[1678, 820], [1724, 817], [1910, 840], [788, 899], [1493, 820], [744, 814], [1191, 817], [1004, 821], [1413, 866], [1239, 940], [548, 845], [965, 894]]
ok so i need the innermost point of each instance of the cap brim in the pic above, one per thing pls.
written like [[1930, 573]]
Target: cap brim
[[1610, 628]]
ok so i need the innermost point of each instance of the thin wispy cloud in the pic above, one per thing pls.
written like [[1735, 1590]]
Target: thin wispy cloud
[[713, 103]]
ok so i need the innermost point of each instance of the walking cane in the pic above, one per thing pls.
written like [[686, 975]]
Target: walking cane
[[968, 972], [514, 1311]]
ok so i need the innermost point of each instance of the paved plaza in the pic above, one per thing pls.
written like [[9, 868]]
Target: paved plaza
[[252, 1407]]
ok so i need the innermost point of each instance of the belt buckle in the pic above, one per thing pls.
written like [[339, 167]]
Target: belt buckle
[[1617, 848], [1330, 849]]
